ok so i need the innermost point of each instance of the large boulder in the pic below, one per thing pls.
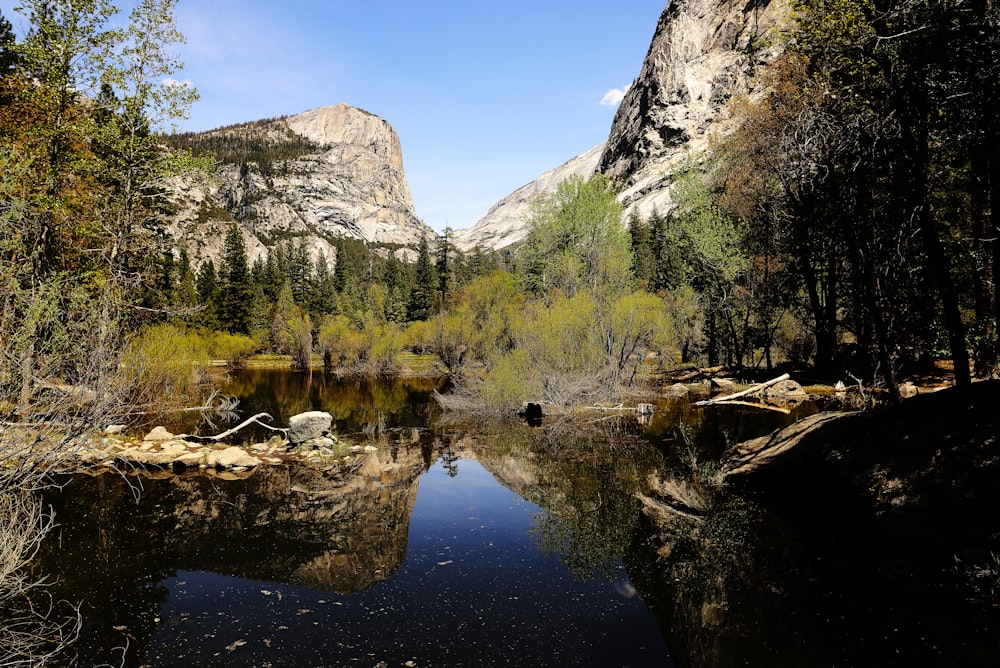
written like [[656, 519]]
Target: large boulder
[[158, 434], [306, 426], [785, 393], [677, 391], [230, 458]]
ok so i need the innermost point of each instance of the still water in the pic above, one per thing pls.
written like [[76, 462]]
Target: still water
[[462, 545], [463, 584]]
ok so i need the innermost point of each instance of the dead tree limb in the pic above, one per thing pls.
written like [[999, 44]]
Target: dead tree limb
[[229, 432], [725, 401], [750, 390]]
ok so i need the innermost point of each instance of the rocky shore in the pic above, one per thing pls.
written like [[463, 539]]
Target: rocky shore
[[307, 440]]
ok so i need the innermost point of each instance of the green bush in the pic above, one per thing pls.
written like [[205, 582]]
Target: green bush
[[514, 380], [235, 349], [166, 364]]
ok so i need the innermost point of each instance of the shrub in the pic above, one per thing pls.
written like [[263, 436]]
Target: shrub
[[511, 382], [386, 343], [166, 365], [235, 349], [639, 322]]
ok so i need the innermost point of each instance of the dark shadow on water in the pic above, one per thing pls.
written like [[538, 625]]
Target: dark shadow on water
[[499, 544]]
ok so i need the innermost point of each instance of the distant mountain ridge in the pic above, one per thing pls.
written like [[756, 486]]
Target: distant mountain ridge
[[505, 223], [337, 171]]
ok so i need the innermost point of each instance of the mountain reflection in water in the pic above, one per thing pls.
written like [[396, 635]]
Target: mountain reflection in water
[[471, 545], [289, 567]]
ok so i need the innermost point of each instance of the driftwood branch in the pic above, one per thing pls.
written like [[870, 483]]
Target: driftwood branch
[[725, 401], [229, 432], [750, 390]]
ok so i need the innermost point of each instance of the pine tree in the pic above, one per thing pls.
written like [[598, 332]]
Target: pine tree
[[8, 49], [443, 265], [323, 299], [274, 273], [643, 260], [422, 296], [236, 290], [299, 269], [208, 295], [185, 296]]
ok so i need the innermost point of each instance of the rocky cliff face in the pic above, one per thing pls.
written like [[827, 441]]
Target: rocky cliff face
[[331, 172], [505, 224], [703, 52]]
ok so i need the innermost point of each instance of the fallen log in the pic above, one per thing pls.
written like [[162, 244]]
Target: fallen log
[[750, 390], [753, 404]]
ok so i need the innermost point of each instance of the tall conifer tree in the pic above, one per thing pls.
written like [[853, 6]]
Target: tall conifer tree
[[236, 293], [422, 296]]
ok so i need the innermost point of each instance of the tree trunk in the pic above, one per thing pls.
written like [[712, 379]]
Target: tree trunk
[[713, 338], [994, 228], [940, 270], [985, 353], [912, 101]]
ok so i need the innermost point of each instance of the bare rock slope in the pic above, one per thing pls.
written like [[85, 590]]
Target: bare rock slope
[[702, 53], [506, 223], [331, 172]]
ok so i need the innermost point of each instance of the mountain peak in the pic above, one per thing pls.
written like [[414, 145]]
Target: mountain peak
[[335, 171]]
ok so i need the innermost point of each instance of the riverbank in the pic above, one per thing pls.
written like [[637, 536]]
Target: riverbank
[[912, 488], [159, 450]]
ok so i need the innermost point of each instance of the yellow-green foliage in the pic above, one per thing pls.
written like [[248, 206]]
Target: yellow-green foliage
[[418, 337], [341, 341], [477, 326], [373, 347], [558, 347], [235, 349], [563, 338], [639, 322], [387, 341], [514, 380], [166, 363], [576, 241], [453, 334], [687, 321]]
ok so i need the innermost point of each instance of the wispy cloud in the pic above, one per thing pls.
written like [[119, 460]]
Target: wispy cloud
[[613, 97]]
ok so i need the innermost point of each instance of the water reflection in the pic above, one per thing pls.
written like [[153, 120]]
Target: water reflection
[[291, 567], [483, 545], [354, 402], [293, 525]]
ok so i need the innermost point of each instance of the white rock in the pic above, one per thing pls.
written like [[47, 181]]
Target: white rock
[[306, 426], [174, 448], [158, 434], [191, 459], [230, 457], [138, 456]]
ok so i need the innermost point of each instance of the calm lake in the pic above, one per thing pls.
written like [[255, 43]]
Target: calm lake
[[458, 545]]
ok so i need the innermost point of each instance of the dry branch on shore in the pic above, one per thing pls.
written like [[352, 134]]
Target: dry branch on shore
[[256, 419], [760, 387]]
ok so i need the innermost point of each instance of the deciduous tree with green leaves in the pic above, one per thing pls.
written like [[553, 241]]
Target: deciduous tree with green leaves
[[576, 241]]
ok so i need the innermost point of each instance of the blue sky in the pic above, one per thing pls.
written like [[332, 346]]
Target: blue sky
[[485, 96]]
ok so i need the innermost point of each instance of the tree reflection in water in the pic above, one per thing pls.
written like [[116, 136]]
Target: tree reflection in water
[[620, 515]]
